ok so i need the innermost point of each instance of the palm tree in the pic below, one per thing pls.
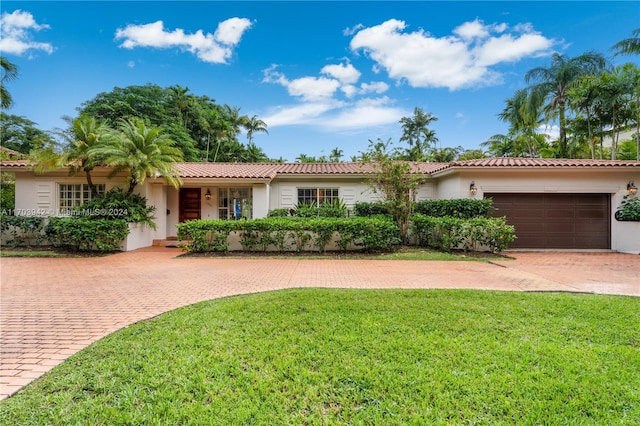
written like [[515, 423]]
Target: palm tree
[[254, 154], [416, 133], [522, 112], [554, 82], [84, 136], [336, 155], [9, 73], [629, 46], [254, 125], [499, 146], [142, 151], [304, 158]]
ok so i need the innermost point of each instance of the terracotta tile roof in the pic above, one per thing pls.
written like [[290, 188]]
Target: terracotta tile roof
[[269, 171], [543, 162], [323, 168], [227, 170], [16, 163]]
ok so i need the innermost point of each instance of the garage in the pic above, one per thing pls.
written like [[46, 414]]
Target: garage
[[557, 221]]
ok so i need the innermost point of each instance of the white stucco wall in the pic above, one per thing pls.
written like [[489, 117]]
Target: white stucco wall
[[284, 193], [261, 200]]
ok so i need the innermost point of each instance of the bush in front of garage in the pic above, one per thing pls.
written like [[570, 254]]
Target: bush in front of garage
[[475, 234]]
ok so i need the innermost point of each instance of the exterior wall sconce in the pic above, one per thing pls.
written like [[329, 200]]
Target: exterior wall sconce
[[631, 188], [207, 195], [473, 189]]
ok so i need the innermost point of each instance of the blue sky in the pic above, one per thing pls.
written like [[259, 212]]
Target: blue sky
[[321, 74]]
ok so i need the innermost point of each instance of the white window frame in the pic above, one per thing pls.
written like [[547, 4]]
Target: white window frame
[[317, 194], [235, 203], [72, 195]]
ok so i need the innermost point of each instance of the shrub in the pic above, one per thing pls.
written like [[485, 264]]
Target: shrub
[[206, 235], [447, 233], [25, 230], [462, 208], [293, 233], [278, 213], [365, 209], [85, 234], [115, 204], [629, 209], [7, 196], [335, 208]]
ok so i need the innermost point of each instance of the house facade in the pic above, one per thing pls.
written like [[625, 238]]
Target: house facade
[[553, 203]]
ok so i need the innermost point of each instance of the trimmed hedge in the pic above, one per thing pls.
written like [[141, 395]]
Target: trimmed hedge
[[462, 208], [447, 233], [83, 234], [290, 234], [366, 209], [25, 230]]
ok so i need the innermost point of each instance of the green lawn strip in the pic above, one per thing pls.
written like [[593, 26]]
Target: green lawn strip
[[321, 356], [30, 253], [408, 253]]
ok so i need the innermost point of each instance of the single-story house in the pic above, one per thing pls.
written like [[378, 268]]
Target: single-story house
[[553, 203]]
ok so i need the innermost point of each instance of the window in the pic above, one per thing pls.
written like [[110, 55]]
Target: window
[[235, 203], [317, 195], [72, 195]]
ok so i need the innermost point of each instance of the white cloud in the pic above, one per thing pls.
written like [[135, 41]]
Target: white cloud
[[308, 113], [313, 88], [309, 89], [374, 87], [319, 105], [456, 61], [214, 48], [471, 30], [347, 74], [336, 115], [16, 28], [230, 32], [365, 115], [351, 31]]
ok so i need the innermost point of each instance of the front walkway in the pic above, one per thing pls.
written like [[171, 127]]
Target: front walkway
[[52, 308]]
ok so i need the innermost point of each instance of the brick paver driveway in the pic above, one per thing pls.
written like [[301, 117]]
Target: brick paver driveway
[[52, 308]]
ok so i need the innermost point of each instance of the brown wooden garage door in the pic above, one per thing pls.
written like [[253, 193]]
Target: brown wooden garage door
[[564, 221]]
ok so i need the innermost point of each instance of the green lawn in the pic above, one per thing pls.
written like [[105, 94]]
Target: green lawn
[[316, 356]]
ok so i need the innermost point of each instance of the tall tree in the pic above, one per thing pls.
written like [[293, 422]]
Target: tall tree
[[143, 152], [523, 113], [629, 46], [394, 180], [21, 134], [554, 82], [254, 125], [9, 73], [416, 132], [336, 155], [84, 136]]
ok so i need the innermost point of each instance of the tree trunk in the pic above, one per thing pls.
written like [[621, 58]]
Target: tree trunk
[[563, 133], [132, 186], [92, 187]]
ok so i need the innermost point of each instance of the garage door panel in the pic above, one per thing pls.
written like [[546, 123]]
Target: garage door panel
[[527, 213], [531, 228], [592, 213], [559, 228], [561, 213], [557, 220]]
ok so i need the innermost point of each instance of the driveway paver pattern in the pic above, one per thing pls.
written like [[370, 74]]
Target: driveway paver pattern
[[51, 308]]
